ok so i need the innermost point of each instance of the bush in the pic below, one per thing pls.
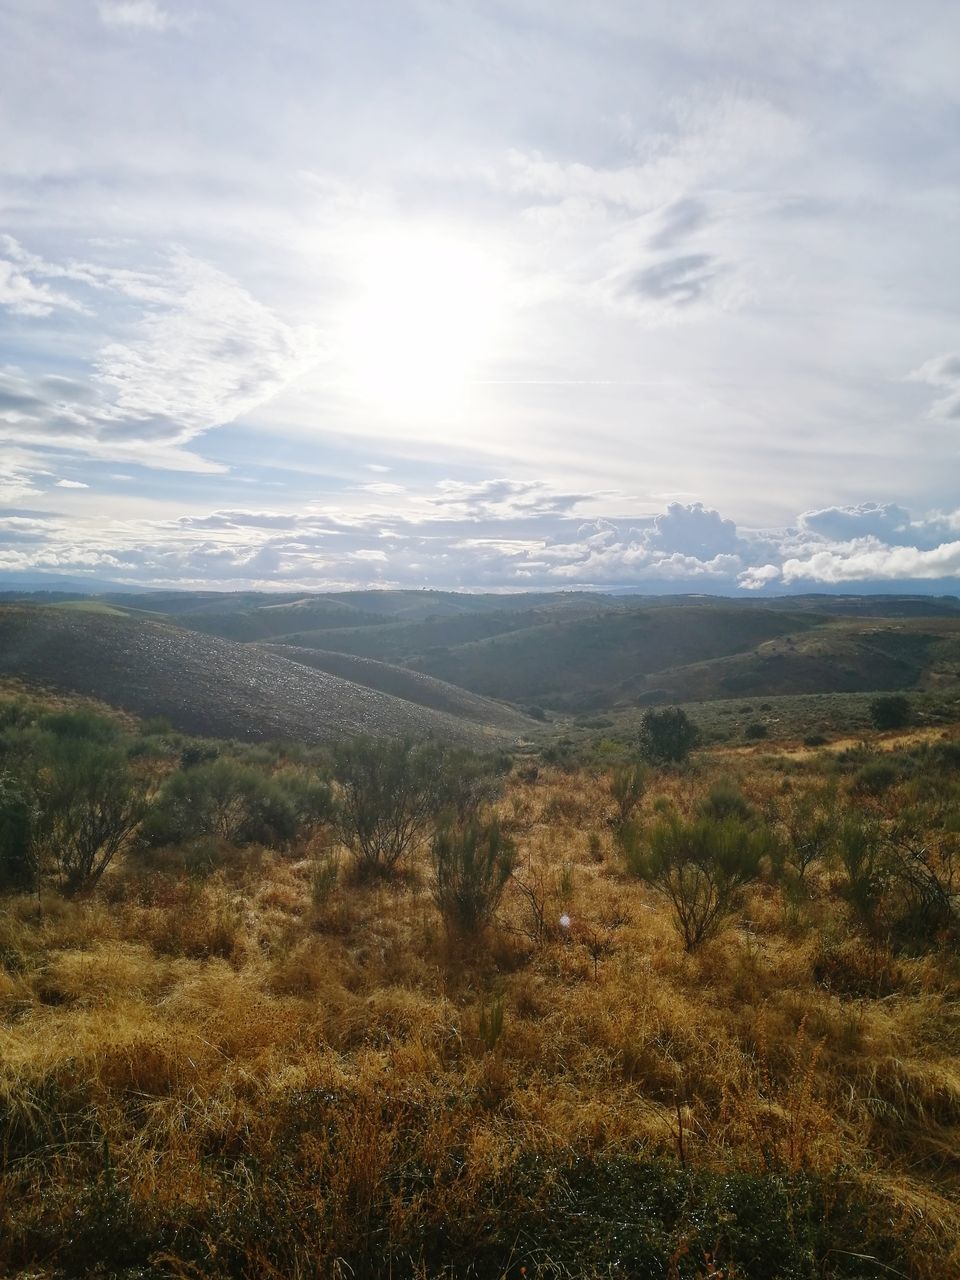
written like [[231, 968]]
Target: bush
[[467, 782], [471, 866], [389, 792], [876, 777], [700, 867], [226, 800], [17, 866], [725, 800], [80, 725], [811, 823], [755, 730], [867, 863], [628, 783], [892, 711], [667, 736], [89, 805]]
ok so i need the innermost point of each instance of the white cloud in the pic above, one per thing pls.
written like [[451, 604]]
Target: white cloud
[[144, 14], [942, 372], [868, 560], [209, 354], [203, 353], [71, 484], [21, 291]]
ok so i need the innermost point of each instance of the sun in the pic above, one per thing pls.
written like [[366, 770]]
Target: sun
[[425, 316]]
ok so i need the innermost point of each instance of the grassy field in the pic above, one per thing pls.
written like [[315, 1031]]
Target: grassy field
[[239, 1061]]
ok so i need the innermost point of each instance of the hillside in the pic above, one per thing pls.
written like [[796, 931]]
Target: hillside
[[839, 658], [588, 662], [204, 684], [412, 686]]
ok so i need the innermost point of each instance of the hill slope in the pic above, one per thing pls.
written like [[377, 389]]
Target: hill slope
[[590, 662], [205, 684], [412, 686]]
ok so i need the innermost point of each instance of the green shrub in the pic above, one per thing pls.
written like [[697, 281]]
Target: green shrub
[[225, 800], [810, 822], [389, 793], [891, 711], [725, 800], [17, 865], [471, 866], [467, 781], [89, 804], [755, 730], [85, 725], [627, 783], [867, 863], [700, 866], [876, 777], [667, 736]]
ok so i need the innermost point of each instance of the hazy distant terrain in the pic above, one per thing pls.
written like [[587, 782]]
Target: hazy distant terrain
[[438, 662]]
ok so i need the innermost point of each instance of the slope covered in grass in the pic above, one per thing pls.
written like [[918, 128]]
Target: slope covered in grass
[[584, 661], [204, 684], [410, 685]]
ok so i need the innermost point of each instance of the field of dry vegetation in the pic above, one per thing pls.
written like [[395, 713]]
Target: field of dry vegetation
[[238, 1060]]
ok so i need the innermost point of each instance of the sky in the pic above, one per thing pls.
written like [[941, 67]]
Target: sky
[[481, 294]]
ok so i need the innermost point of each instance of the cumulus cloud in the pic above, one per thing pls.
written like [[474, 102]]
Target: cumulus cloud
[[869, 560], [694, 530], [884, 520], [480, 539]]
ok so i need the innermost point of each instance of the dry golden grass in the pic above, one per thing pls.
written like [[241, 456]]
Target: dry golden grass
[[181, 1041]]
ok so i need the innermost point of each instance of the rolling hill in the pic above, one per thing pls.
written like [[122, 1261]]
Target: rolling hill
[[412, 686], [207, 685], [593, 662]]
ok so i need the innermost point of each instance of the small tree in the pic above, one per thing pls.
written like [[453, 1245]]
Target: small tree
[[471, 866], [89, 805], [627, 783], [667, 736], [699, 866], [891, 711], [389, 792]]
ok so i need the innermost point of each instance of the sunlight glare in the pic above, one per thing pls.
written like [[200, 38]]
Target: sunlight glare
[[425, 316]]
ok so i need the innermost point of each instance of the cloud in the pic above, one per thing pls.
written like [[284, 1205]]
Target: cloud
[[71, 484], [694, 530], [16, 483], [202, 353], [503, 499], [20, 291], [678, 221], [882, 520], [679, 280], [209, 354], [144, 14], [463, 544], [942, 372], [868, 560]]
